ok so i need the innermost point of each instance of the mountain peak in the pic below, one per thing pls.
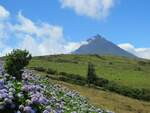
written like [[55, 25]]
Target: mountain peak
[[99, 45], [95, 38]]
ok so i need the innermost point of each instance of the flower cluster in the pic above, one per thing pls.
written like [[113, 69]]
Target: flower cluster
[[21, 97], [35, 94], [7, 92]]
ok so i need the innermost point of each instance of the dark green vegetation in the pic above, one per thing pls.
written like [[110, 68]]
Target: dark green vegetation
[[129, 77], [15, 61], [91, 75]]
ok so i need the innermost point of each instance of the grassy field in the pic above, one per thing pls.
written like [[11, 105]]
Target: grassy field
[[106, 99], [111, 101], [129, 72]]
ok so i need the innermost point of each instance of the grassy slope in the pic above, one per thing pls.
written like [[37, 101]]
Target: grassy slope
[[111, 101], [108, 100], [121, 70]]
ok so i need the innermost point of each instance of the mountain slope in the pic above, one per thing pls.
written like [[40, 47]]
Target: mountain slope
[[121, 70], [101, 46]]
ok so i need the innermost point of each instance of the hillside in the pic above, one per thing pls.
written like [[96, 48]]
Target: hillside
[[35, 94], [99, 97], [128, 72], [105, 99], [99, 45]]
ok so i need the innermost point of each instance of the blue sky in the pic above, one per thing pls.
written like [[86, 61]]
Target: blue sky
[[124, 22]]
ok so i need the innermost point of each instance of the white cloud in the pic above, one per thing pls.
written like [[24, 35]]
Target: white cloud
[[25, 25], [30, 44], [40, 38], [3, 13], [72, 46], [92, 8], [39, 29], [140, 52]]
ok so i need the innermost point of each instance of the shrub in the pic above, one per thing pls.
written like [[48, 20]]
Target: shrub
[[110, 63], [138, 68], [72, 78], [91, 75], [51, 71], [63, 73], [142, 62], [16, 61], [145, 94], [101, 82], [39, 69], [141, 94]]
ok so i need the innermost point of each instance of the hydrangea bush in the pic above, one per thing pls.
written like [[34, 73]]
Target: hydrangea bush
[[35, 94]]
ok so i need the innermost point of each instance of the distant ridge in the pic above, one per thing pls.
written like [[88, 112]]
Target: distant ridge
[[101, 46]]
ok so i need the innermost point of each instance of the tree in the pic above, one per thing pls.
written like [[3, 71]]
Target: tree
[[16, 61], [91, 75]]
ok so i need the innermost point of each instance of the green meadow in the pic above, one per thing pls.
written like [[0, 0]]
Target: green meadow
[[134, 73]]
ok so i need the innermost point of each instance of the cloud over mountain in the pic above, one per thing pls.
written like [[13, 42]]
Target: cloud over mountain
[[140, 52]]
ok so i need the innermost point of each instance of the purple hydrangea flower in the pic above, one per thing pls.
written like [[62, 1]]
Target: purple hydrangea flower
[[35, 100], [28, 109], [45, 111]]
